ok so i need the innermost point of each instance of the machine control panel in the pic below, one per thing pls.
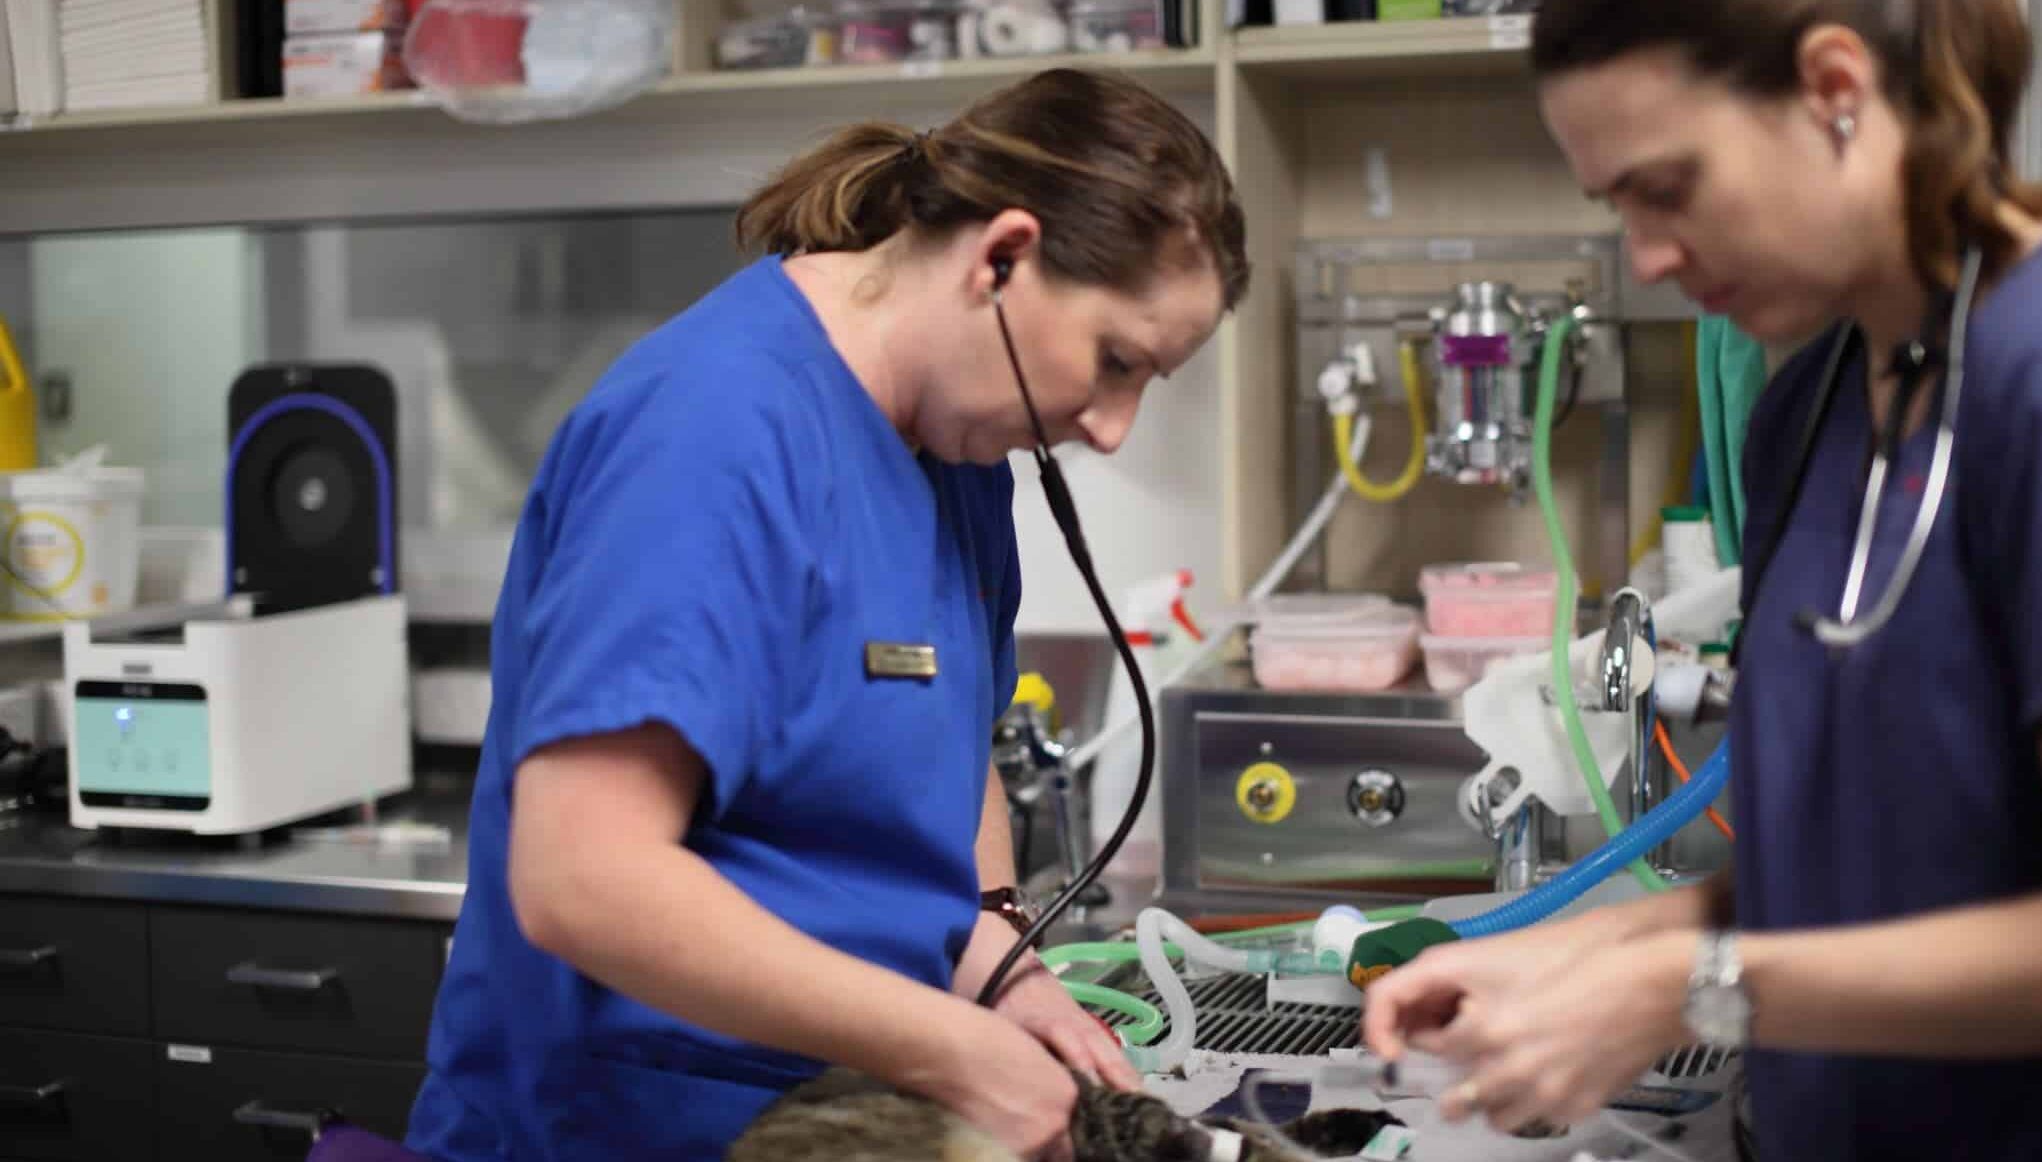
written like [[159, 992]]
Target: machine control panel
[[142, 744]]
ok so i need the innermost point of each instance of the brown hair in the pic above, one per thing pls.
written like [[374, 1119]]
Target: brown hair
[[1954, 69], [1121, 181]]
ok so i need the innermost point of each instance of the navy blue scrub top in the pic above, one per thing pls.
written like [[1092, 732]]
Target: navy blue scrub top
[[1899, 777], [713, 537]]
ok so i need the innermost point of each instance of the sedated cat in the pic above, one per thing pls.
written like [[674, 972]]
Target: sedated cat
[[842, 1116]]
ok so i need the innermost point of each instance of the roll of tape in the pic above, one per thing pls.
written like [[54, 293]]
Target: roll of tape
[[1022, 29]]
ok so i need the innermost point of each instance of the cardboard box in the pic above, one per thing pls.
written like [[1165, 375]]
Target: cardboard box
[[304, 17], [344, 64]]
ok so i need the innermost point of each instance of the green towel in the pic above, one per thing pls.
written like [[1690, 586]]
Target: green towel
[[1731, 372]]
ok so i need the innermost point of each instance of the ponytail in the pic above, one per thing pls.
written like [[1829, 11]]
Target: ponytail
[[1124, 184], [850, 193]]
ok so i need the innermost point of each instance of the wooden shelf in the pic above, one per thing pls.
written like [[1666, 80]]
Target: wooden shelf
[[1362, 50], [1176, 71]]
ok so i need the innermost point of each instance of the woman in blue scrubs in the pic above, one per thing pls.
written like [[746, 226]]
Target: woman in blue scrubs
[[735, 817], [1825, 168]]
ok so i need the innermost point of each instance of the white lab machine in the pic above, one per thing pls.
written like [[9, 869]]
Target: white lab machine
[[291, 698]]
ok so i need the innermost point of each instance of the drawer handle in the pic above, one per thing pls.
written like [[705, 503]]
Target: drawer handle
[[25, 960], [288, 980], [32, 1099], [309, 1123]]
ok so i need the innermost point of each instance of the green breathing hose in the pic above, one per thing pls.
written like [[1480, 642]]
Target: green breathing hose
[[1127, 951], [1148, 1019], [1569, 594]]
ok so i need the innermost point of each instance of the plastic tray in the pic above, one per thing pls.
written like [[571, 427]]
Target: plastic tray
[[1368, 651], [1453, 664], [1488, 600]]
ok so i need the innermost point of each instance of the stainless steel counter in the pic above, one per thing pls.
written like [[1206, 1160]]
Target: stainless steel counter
[[40, 854]]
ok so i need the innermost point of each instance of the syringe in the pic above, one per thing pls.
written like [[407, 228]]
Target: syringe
[[1412, 1075]]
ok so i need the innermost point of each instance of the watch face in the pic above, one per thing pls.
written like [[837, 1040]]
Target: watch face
[[1720, 1015]]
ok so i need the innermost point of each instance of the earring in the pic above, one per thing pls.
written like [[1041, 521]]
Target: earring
[[1845, 127]]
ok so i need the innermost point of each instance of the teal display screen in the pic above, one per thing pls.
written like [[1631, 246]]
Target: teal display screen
[[142, 744]]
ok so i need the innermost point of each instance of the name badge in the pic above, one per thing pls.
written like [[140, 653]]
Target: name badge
[[899, 660]]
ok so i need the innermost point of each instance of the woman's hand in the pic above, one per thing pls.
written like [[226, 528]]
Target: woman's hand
[[1540, 1041], [1408, 1002], [1032, 999], [1003, 1081], [1037, 1002]]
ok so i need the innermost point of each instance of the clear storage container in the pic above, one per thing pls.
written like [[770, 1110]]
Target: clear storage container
[[1115, 25], [876, 32], [1360, 651], [1452, 664], [1489, 600], [1296, 609]]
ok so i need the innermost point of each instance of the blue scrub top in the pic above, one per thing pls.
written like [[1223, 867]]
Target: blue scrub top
[[715, 535], [1899, 777]]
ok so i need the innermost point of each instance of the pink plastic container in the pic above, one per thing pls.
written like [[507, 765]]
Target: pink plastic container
[[1362, 652], [1489, 600], [1452, 664]]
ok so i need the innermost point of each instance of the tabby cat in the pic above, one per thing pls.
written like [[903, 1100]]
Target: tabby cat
[[843, 1116]]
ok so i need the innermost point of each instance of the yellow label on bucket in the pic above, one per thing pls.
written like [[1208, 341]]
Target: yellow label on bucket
[[45, 554]]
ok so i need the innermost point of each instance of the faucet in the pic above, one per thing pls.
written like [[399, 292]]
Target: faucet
[[1630, 618]]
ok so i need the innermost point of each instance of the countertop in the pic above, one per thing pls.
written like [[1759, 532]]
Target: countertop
[[41, 854]]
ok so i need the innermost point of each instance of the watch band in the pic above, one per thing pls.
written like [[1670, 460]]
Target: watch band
[[1718, 1007], [1717, 963], [1010, 905]]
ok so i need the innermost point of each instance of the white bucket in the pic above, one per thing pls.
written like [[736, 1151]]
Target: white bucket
[[70, 542]]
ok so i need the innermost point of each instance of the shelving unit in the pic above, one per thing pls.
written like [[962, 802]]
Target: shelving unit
[[1323, 126], [1360, 49]]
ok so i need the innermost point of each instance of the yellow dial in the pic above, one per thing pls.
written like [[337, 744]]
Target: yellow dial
[[1266, 793]]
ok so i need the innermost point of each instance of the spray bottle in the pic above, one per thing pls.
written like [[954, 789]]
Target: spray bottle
[[1161, 633]]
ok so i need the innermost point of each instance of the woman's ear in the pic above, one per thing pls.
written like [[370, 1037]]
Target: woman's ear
[[1839, 78], [1012, 239]]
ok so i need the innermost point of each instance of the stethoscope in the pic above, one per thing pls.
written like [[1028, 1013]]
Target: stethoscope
[[1912, 361], [1058, 493]]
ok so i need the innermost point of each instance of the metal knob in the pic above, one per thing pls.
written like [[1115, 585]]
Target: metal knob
[[1266, 793], [1376, 797]]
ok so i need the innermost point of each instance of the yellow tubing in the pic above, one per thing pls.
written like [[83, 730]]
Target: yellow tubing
[[1414, 465]]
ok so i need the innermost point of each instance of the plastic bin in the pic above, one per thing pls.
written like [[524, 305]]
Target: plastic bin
[[72, 542], [871, 32], [1361, 652], [1115, 25], [1452, 664], [1290, 610], [1488, 600]]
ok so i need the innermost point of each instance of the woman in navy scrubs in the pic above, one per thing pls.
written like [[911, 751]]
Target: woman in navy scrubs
[[1829, 168], [735, 817]]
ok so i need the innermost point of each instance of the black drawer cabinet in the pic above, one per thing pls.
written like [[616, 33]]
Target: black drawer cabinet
[[74, 964], [302, 983], [232, 1104], [133, 1031], [71, 1096]]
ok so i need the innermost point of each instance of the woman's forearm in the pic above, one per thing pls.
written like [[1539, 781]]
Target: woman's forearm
[[1708, 904], [1960, 983], [659, 924]]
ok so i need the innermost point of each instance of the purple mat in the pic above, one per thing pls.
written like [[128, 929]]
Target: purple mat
[[344, 1143]]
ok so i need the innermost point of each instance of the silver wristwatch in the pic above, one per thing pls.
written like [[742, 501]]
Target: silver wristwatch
[[1718, 1010]]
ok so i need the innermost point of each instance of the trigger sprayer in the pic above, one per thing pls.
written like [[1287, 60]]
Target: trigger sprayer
[[1158, 625]]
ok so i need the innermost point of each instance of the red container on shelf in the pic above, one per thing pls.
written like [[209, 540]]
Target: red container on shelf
[[467, 43]]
